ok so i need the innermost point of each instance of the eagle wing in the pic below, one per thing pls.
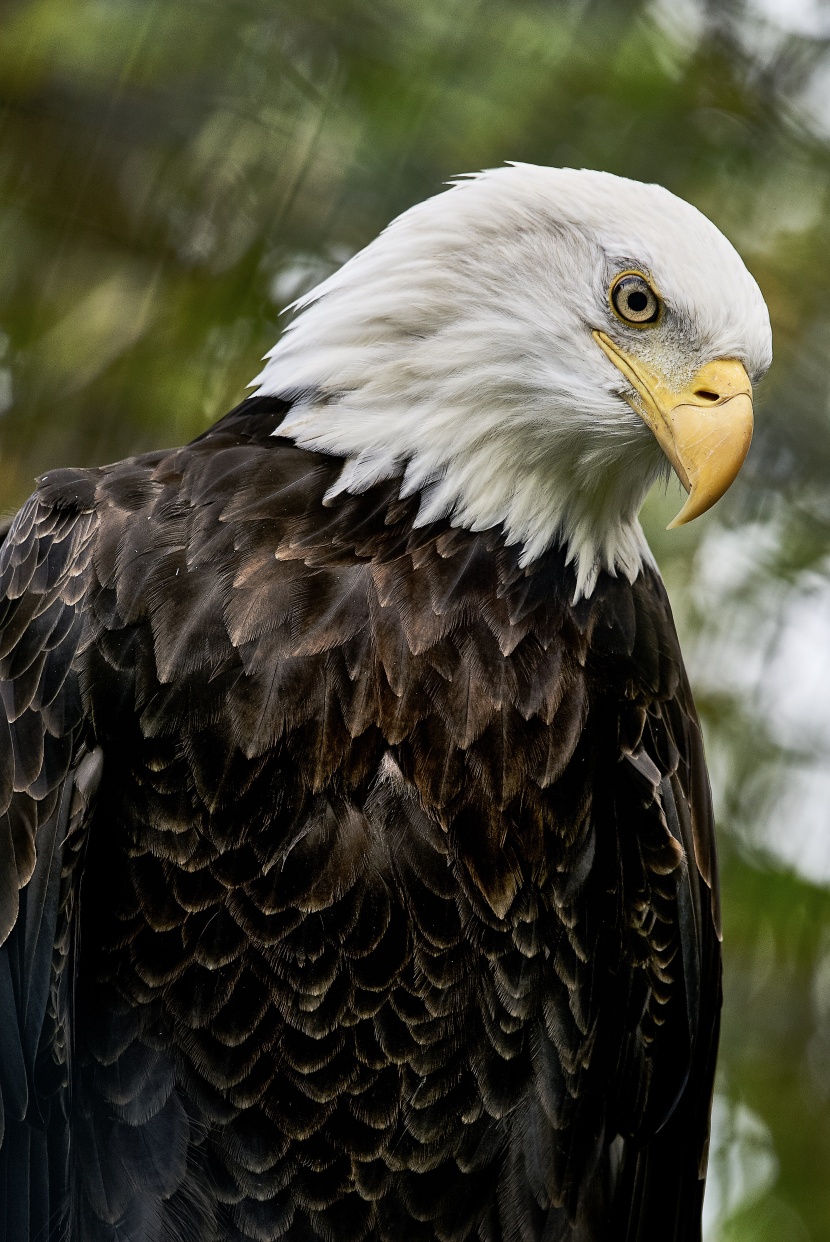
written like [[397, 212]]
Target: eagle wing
[[414, 868], [661, 1183], [48, 776]]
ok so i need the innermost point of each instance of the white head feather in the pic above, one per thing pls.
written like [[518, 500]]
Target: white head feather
[[456, 350]]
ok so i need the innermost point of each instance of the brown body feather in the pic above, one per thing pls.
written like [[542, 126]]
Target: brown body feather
[[356, 884]]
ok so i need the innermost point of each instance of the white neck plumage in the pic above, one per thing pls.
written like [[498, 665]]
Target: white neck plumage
[[484, 432], [484, 448]]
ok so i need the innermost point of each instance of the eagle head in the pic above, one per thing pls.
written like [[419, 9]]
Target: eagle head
[[530, 350]]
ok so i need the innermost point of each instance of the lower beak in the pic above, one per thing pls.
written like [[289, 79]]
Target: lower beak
[[704, 429]]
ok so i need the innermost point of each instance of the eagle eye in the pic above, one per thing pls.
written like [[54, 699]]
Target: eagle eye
[[634, 301]]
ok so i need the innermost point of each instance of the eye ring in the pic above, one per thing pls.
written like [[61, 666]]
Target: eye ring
[[633, 300]]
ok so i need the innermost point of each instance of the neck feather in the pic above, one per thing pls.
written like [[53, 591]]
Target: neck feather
[[488, 465], [469, 395]]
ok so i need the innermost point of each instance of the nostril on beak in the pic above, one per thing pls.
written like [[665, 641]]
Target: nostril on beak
[[706, 394]]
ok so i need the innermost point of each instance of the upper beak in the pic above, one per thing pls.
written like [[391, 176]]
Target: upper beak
[[704, 429]]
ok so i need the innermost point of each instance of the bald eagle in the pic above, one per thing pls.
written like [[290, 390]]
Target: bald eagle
[[357, 866]]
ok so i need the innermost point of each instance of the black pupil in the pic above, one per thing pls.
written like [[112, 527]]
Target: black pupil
[[637, 300]]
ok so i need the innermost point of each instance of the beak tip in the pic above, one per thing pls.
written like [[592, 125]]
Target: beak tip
[[693, 507], [713, 455]]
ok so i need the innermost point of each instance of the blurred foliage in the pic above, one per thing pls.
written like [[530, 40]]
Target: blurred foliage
[[174, 172]]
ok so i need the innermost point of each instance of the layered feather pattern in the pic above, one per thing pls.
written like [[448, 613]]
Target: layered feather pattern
[[391, 917]]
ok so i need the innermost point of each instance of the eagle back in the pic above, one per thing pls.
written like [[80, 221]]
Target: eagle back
[[394, 915]]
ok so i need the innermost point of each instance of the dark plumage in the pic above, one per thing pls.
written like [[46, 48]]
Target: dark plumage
[[366, 884]]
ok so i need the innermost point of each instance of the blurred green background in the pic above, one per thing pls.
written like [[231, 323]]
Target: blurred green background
[[174, 172]]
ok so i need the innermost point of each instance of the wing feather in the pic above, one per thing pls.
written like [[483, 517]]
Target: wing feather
[[660, 1184], [44, 571], [412, 863]]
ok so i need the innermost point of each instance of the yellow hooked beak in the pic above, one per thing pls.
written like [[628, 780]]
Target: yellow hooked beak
[[704, 429]]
